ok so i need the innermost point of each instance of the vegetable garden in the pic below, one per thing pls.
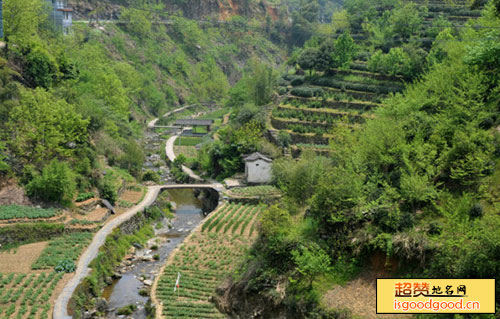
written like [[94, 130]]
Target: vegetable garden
[[263, 190], [67, 247], [204, 259], [15, 211], [27, 296]]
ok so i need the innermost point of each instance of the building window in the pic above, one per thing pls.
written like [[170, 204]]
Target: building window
[[66, 15]]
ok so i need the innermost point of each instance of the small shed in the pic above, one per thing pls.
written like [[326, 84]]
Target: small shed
[[257, 168]]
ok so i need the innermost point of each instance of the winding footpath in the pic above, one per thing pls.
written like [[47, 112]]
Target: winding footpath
[[153, 122], [82, 270], [169, 150]]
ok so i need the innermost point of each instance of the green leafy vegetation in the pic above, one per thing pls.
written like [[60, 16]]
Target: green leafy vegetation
[[62, 252], [264, 190], [203, 261], [82, 99], [23, 294], [15, 211]]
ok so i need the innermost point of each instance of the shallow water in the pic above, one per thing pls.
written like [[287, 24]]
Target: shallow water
[[124, 291]]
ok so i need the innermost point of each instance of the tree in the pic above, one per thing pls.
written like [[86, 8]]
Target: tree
[[43, 127], [22, 19], [345, 49], [56, 183], [132, 158], [406, 21], [311, 262], [137, 22], [308, 59]]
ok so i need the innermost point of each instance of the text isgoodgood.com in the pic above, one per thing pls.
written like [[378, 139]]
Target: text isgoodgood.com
[[436, 305]]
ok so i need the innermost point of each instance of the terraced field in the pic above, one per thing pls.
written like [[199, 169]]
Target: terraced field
[[313, 104], [204, 259], [27, 296]]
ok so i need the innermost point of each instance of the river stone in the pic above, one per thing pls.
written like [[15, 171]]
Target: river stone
[[101, 305], [148, 282]]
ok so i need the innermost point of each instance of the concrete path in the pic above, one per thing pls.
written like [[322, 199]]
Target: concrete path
[[153, 122], [82, 270], [169, 150]]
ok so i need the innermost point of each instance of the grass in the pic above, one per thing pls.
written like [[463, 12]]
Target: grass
[[203, 261], [188, 141], [217, 114], [16, 211], [67, 247], [188, 151]]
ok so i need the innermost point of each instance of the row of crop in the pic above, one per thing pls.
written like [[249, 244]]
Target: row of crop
[[256, 190], [324, 116], [361, 87], [361, 70], [16, 211], [216, 217], [319, 119], [300, 127], [190, 298], [308, 92], [228, 217], [248, 218], [338, 101], [28, 296]]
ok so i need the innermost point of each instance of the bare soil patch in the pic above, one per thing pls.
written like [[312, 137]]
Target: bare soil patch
[[19, 260], [96, 215], [358, 296], [131, 196], [12, 194]]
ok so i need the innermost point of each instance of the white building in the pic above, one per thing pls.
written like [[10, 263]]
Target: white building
[[257, 168], [61, 14]]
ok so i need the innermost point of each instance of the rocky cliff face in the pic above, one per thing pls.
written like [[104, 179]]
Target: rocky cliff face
[[220, 9]]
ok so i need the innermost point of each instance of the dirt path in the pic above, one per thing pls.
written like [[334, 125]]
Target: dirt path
[[61, 305]]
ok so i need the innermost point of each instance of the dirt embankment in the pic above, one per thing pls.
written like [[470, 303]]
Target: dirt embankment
[[12, 194]]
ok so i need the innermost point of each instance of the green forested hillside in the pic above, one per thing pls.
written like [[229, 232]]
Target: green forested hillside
[[416, 183], [83, 99]]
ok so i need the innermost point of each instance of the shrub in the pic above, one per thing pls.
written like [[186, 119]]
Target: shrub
[[84, 196], [127, 310], [297, 81], [107, 189], [40, 67], [55, 184], [302, 92], [150, 175], [66, 265]]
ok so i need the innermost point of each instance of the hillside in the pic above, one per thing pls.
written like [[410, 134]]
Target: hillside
[[380, 57], [401, 183], [104, 81]]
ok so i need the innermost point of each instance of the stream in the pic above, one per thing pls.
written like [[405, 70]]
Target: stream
[[125, 290]]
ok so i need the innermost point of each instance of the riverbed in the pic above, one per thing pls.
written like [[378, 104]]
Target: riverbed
[[125, 290]]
